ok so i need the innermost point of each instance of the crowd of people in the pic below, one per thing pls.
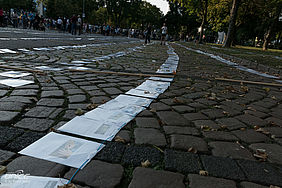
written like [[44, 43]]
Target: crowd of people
[[75, 26]]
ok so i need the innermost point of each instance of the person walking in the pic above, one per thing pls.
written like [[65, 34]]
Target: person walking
[[79, 24], [148, 34], [1, 17], [73, 24], [164, 33]]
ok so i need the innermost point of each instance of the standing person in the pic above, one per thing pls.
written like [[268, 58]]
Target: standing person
[[73, 24], [79, 24], [1, 17], [59, 24], [148, 34], [164, 32]]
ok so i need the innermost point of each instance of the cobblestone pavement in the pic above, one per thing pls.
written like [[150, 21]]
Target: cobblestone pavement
[[200, 133]]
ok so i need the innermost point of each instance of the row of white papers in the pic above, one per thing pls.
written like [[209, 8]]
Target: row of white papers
[[7, 51], [102, 123], [171, 64], [27, 181], [14, 82]]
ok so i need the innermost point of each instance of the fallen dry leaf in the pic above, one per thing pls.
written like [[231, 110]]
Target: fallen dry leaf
[[79, 112], [177, 101], [203, 173], [261, 154], [145, 164], [153, 110], [260, 130], [205, 128], [119, 139], [273, 186], [91, 106], [3, 169], [266, 89], [192, 150], [68, 186]]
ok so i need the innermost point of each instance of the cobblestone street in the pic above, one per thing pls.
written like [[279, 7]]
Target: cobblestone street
[[202, 132]]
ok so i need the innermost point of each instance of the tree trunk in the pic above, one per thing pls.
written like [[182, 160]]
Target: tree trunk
[[269, 32], [232, 22], [205, 12]]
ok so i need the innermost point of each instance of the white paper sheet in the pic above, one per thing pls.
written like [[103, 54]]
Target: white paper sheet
[[161, 79], [142, 93], [15, 82], [98, 129], [25, 181], [14, 74], [125, 100], [63, 149], [48, 68], [154, 86], [3, 51], [79, 68]]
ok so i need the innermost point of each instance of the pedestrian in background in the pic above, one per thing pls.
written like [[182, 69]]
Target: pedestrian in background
[[1, 17], [164, 33], [148, 34], [73, 24]]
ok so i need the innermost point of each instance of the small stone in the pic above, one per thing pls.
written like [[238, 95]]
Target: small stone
[[98, 174], [197, 181], [144, 177], [250, 136], [185, 142], [274, 151], [7, 118], [149, 136]]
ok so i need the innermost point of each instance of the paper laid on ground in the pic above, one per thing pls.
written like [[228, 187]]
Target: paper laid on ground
[[62, 149], [142, 93], [123, 101], [26, 181], [14, 74], [161, 79], [15, 82], [93, 128], [3, 51], [154, 86], [48, 68]]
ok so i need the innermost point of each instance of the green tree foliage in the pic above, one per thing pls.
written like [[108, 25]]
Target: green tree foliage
[[17, 4]]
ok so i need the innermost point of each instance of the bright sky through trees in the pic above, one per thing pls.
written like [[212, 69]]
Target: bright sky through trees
[[162, 4]]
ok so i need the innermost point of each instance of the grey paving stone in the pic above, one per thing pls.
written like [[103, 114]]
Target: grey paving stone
[[274, 121], [252, 120], [206, 123], [274, 131], [98, 174], [74, 91], [197, 106], [76, 98], [260, 172], [89, 88], [231, 123], [149, 178], [220, 135], [25, 92], [134, 155], [206, 102], [5, 156], [35, 124], [233, 105], [69, 114], [112, 152], [274, 151], [12, 106], [145, 113], [112, 91], [40, 112], [50, 102], [96, 93], [258, 108], [250, 136], [7, 118], [171, 118], [125, 135], [222, 167], [36, 167], [246, 184], [197, 181], [147, 122], [23, 141], [3, 93], [7, 134], [213, 113], [160, 106], [181, 130], [183, 109], [54, 94], [183, 162], [100, 100], [185, 142], [256, 113], [26, 100], [149, 136], [195, 116], [229, 149]]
